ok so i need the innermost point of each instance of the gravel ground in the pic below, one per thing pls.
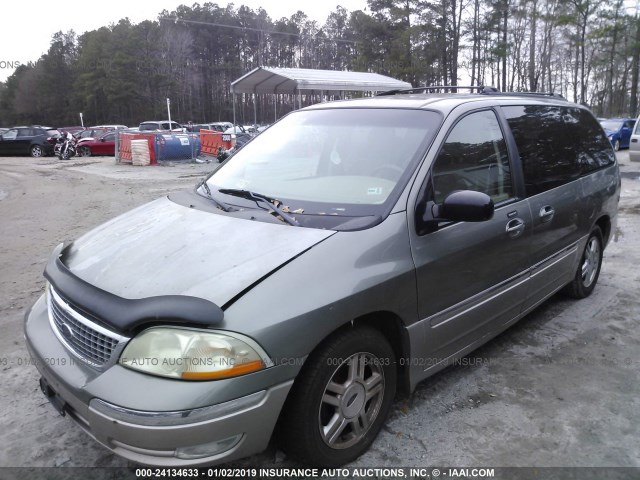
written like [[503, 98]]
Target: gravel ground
[[560, 388]]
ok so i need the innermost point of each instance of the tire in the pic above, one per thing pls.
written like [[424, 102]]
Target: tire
[[588, 270], [616, 145], [84, 151], [36, 151], [327, 419]]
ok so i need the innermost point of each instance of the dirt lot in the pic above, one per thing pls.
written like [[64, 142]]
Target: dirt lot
[[561, 388]]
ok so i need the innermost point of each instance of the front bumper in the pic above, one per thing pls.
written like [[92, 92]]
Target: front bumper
[[177, 428]]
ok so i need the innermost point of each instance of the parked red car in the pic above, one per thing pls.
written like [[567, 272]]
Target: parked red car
[[104, 145]]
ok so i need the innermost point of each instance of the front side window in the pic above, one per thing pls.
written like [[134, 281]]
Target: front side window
[[331, 162], [474, 157]]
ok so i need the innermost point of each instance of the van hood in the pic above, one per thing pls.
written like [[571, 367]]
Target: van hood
[[164, 248]]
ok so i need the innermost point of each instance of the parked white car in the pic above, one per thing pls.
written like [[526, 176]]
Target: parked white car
[[634, 143]]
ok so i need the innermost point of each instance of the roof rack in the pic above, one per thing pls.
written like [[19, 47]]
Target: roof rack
[[480, 89], [445, 88], [531, 94]]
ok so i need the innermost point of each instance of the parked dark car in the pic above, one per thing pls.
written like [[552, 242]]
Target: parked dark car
[[27, 141], [105, 145], [196, 127], [220, 126], [619, 131]]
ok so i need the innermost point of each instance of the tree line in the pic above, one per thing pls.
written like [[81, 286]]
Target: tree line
[[585, 50]]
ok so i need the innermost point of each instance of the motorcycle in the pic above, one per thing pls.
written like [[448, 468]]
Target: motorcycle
[[65, 149]]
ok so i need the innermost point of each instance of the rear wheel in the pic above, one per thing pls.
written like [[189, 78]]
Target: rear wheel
[[341, 399], [36, 151], [588, 270]]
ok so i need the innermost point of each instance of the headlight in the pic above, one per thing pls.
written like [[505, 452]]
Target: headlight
[[193, 354]]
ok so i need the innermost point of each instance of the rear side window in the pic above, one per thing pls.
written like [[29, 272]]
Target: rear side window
[[474, 157], [557, 144]]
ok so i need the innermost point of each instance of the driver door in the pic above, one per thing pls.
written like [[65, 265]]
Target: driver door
[[471, 277], [8, 143]]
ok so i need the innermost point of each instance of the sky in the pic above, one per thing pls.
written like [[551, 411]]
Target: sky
[[26, 27]]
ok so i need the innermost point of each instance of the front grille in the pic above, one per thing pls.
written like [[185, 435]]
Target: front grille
[[83, 337]]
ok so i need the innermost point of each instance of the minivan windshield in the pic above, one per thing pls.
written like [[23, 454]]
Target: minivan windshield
[[338, 161]]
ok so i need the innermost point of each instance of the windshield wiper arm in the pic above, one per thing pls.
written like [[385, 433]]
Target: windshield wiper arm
[[222, 206], [260, 199]]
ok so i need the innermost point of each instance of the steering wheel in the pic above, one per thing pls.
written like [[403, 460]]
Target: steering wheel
[[392, 168]]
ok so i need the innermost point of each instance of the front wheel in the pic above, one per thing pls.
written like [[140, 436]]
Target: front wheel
[[84, 151], [616, 145], [341, 399], [588, 270]]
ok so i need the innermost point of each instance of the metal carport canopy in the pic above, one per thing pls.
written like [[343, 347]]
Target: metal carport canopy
[[295, 80]]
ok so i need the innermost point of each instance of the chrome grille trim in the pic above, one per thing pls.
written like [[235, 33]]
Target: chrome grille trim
[[84, 338]]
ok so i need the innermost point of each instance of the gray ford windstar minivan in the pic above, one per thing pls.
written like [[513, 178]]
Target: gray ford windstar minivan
[[350, 251]]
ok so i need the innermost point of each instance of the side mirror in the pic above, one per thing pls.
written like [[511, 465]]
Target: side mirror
[[465, 206], [102, 139]]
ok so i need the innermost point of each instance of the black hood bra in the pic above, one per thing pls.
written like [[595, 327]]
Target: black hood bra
[[127, 315]]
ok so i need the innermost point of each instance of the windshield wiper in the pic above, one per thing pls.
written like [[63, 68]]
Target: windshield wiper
[[260, 199], [222, 206]]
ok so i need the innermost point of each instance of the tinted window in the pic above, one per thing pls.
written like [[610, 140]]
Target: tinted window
[[592, 147], [110, 138], [25, 132], [474, 157], [557, 144]]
